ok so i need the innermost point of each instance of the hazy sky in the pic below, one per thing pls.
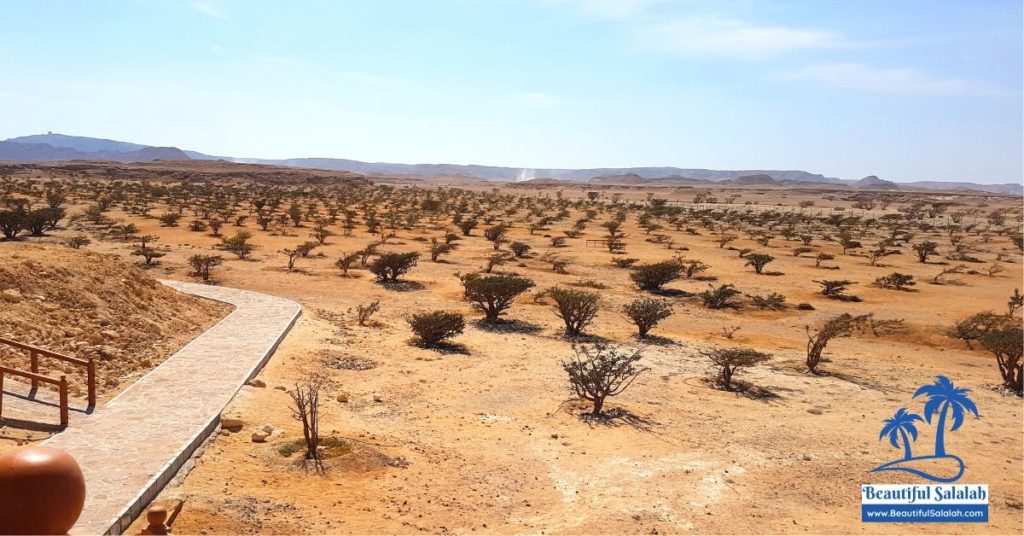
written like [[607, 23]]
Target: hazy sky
[[907, 90]]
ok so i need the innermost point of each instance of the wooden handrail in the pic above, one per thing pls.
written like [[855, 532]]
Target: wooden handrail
[[44, 351], [62, 386], [35, 352]]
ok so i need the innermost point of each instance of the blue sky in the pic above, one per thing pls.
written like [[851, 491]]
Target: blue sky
[[907, 90]]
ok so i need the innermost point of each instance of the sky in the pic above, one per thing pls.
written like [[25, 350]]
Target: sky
[[906, 90]]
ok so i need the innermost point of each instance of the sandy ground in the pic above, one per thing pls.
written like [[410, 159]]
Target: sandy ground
[[485, 441]]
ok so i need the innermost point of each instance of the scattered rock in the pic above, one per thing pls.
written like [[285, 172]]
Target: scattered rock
[[261, 434], [109, 333], [280, 388], [255, 382], [343, 398], [378, 398], [231, 423], [11, 295]]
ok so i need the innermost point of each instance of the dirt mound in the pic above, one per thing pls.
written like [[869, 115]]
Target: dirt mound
[[85, 304]]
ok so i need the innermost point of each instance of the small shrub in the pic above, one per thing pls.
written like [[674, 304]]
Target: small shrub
[[719, 297], [202, 265], [759, 261], [835, 289], [577, 308], [624, 262], [519, 249], [652, 277], [346, 261], [728, 361], [389, 266], [494, 294], [645, 313], [149, 254], [365, 311], [78, 241], [169, 219], [239, 244], [773, 301], [896, 281], [434, 327]]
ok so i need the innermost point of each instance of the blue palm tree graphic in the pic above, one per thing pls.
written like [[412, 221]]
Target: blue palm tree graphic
[[945, 400], [944, 397], [897, 429]]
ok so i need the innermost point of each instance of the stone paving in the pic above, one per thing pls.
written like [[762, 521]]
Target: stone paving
[[39, 410], [133, 445]]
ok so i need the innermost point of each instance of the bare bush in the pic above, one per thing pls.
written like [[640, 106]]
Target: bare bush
[[835, 327], [365, 311], [600, 371], [306, 409]]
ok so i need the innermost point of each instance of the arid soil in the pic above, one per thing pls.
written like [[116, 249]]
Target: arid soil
[[85, 304], [485, 438]]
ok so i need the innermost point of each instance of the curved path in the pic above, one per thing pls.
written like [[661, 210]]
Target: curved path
[[133, 445]]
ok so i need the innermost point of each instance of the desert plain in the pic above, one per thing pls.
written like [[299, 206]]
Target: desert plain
[[482, 434]]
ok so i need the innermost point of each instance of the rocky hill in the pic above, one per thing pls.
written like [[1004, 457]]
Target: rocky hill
[[86, 304]]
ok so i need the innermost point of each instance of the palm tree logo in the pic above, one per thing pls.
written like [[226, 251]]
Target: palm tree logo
[[898, 427], [946, 400]]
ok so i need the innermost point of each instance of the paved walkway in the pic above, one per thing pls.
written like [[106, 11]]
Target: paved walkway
[[132, 446], [39, 410]]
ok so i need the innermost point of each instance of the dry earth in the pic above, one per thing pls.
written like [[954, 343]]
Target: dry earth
[[484, 440]]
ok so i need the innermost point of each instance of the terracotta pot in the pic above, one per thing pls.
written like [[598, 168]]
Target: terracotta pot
[[42, 491]]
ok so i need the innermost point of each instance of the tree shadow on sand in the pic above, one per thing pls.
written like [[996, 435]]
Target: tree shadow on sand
[[617, 417], [508, 326], [402, 286]]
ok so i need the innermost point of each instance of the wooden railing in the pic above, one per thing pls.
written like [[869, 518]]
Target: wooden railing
[[62, 387], [35, 352]]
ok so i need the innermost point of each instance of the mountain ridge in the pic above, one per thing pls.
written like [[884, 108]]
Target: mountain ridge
[[59, 147]]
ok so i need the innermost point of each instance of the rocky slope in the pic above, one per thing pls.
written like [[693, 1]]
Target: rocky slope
[[85, 304]]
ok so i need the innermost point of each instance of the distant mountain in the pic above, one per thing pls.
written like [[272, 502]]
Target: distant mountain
[[58, 147], [871, 182], [1008, 188], [51, 147], [80, 143]]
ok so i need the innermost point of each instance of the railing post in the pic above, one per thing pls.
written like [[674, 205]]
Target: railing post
[[34, 367], [91, 372], [63, 401], [1, 395]]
